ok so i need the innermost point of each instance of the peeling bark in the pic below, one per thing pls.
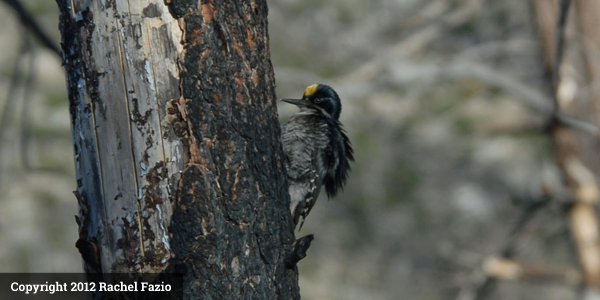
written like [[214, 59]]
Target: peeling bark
[[177, 144]]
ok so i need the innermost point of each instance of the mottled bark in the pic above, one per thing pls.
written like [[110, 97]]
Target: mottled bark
[[177, 144]]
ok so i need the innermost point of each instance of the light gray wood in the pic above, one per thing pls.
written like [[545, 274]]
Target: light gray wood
[[135, 64]]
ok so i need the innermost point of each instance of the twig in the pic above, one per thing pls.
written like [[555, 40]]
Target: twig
[[559, 51]]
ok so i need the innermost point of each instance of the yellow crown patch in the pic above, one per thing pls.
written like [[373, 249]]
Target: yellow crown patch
[[311, 89]]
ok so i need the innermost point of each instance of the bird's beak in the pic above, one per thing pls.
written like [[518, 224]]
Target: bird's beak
[[298, 102]]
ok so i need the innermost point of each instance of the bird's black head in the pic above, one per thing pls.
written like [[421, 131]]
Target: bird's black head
[[321, 97]]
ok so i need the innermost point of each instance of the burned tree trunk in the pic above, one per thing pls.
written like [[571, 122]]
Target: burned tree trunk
[[177, 144]]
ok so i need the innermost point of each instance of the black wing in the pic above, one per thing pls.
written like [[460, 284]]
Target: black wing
[[334, 181]]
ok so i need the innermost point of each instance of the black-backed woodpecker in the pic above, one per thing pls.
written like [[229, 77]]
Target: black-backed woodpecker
[[317, 149]]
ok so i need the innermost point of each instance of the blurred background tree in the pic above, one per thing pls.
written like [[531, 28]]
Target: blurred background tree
[[460, 173]]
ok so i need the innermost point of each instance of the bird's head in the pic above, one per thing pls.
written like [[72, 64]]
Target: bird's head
[[320, 97]]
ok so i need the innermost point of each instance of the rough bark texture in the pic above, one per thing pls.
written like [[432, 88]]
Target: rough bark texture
[[177, 144], [577, 96]]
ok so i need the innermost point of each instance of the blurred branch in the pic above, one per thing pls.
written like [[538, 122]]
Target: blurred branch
[[511, 270], [426, 12], [29, 21], [25, 81], [25, 127], [510, 127], [9, 103], [480, 282], [531, 97], [559, 52], [415, 42], [462, 68], [497, 48]]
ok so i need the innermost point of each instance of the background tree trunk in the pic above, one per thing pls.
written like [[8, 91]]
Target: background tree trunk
[[576, 94], [177, 144]]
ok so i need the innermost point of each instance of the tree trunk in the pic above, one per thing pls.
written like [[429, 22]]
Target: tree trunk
[[177, 144], [576, 95]]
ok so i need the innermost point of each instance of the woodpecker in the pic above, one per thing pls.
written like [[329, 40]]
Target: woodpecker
[[317, 150]]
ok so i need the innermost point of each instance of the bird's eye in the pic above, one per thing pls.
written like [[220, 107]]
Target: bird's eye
[[318, 100]]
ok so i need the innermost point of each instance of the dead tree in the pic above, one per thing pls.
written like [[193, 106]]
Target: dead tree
[[571, 51], [570, 42], [177, 144]]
